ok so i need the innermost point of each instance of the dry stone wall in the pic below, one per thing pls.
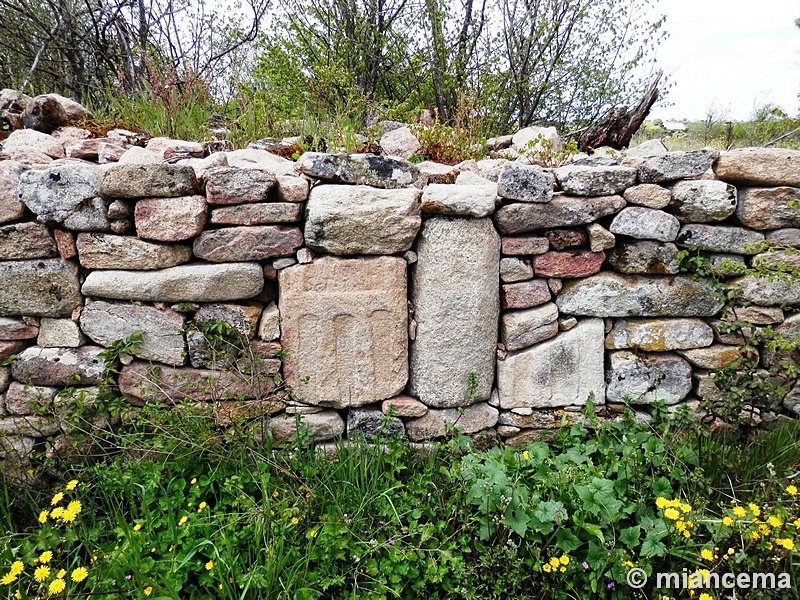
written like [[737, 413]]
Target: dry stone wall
[[391, 298]]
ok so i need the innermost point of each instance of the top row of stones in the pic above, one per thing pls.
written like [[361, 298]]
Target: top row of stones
[[530, 183]]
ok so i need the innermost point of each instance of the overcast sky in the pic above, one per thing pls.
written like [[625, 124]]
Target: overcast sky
[[730, 54]]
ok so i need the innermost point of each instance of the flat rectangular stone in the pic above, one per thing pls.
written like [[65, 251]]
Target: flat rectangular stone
[[344, 326], [456, 307], [562, 371], [525, 294], [257, 214], [523, 245], [140, 382], [184, 283]]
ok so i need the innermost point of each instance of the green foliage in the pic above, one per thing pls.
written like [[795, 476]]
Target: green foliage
[[189, 510]]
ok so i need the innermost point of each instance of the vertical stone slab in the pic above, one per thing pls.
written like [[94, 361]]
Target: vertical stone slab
[[344, 324], [456, 306], [562, 371]]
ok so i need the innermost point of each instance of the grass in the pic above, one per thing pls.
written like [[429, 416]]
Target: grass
[[177, 509]]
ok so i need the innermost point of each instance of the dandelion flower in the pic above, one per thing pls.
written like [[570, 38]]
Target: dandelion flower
[[564, 560], [71, 485], [685, 508], [705, 596], [754, 509], [57, 512], [671, 514], [57, 498], [662, 503], [61, 574], [56, 587], [706, 554], [8, 578], [739, 511], [79, 574], [17, 567], [785, 542], [775, 521], [209, 565], [68, 516], [727, 521], [137, 527], [148, 590], [43, 516], [295, 520], [791, 490], [45, 557], [41, 573], [554, 562], [75, 506]]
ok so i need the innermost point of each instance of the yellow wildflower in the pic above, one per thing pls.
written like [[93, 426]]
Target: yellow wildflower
[[680, 525], [41, 573], [662, 502], [563, 569], [183, 520], [57, 512], [68, 516], [275, 494], [686, 534], [61, 574], [555, 563], [295, 520], [8, 578], [526, 456], [209, 565], [79, 574], [775, 521], [71, 485], [727, 521], [628, 563], [148, 590], [313, 533], [731, 551], [75, 506], [706, 554], [672, 514], [56, 587], [754, 509], [547, 568], [705, 596], [17, 567], [564, 560], [785, 542], [754, 536], [764, 530], [137, 527], [791, 490], [202, 505], [739, 512], [43, 516], [57, 498], [685, 508], [45, 557]]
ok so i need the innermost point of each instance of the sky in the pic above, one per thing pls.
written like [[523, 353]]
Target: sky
[[729, 56]]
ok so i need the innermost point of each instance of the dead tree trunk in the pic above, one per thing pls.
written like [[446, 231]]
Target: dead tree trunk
[[620, 124]]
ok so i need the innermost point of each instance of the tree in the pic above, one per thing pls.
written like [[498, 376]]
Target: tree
[[86, 48]]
